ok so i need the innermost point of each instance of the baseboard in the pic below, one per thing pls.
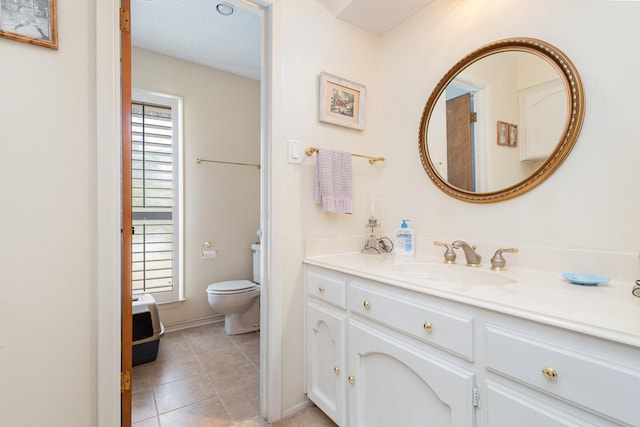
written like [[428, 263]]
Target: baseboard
[[297, 408], [193, 323]]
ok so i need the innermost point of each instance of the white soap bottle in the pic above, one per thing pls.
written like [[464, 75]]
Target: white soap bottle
[[404, 240]]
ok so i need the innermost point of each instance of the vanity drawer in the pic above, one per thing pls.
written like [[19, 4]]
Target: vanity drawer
[[585, 379], [330, 288], [414, 317]]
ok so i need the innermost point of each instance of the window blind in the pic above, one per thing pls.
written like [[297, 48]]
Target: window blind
[[153, 198]]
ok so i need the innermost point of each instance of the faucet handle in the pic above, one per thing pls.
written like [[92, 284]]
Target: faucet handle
[[449, 254], [498, 262]]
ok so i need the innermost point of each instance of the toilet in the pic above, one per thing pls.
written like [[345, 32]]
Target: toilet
[[238, 300]]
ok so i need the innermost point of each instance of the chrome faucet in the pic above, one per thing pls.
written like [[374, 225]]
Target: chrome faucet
[[473, 259]]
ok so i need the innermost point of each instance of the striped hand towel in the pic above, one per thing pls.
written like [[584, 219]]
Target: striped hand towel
[[334, 180]]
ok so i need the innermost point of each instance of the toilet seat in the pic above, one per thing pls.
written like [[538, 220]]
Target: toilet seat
[[231, 287]]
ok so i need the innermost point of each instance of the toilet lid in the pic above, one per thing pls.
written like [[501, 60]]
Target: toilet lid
[[231, 286]]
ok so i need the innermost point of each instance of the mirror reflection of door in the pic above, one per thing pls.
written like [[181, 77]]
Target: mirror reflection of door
[[460, 171], [531, 85]]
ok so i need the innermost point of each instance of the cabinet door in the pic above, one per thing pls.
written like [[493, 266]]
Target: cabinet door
[[393, 383], [507, 408], [326, 361]]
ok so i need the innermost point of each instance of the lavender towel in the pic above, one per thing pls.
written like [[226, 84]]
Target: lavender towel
[[334, 181]]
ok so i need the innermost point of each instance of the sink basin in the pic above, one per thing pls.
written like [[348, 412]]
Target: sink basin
[[462, 275]]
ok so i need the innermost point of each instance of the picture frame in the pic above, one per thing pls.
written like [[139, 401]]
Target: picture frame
[[341, 102], [503, 132], [513, 135], [30, 21]]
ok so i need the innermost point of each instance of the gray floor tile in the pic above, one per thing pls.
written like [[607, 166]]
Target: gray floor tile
[[203, 377]]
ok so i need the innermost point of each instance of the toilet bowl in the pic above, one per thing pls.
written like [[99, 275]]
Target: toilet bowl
[[238, 300]]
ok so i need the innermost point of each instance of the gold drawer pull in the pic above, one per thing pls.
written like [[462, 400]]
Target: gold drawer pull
[[321, 288], [336, 370], [428, 327], [366, 304], [351, 379], [549, 373]]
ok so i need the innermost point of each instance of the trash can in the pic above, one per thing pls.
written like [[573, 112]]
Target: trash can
[[147, 329]]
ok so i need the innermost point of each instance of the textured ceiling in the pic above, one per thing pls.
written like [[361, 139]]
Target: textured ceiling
[[194, 31], [376, 16]]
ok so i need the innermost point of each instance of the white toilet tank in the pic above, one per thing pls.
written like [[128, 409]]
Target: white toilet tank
[[255, 248]]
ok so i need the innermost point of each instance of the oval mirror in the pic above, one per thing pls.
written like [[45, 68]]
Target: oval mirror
[[501, 120]]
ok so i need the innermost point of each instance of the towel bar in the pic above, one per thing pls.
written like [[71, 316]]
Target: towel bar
[[372, 160], [198, 160]]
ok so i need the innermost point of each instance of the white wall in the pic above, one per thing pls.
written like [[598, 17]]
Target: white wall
[[589, 203], [48, 269], [308, 39], [222, 202]]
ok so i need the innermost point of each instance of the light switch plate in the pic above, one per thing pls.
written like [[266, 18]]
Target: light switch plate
[[295, 152]]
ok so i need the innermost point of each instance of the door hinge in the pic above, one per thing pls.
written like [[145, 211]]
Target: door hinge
[[476, 397], [474, 117], [125, 381], [124, 20]]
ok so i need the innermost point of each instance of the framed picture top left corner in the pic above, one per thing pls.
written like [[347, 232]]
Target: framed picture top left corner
[[30, 21]]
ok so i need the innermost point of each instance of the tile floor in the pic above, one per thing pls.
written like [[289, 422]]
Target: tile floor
[[203, 377]]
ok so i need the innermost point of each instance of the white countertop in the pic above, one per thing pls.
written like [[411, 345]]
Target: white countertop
[[607, 311]]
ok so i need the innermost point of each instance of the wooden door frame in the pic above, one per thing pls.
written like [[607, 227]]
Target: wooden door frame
[[108, 201], [127, 215], [108, 219]]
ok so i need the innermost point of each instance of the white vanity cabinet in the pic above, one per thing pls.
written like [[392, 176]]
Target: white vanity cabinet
[[393, 382], [325, 323], [385, 353], [392, 375], [396, 377], [586, 381]]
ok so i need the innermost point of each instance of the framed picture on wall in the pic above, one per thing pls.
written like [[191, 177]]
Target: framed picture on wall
[[341, 102], [30, 21], [513, 135], [503, 128]]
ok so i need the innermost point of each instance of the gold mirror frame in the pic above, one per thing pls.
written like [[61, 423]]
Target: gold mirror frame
[[575, 115]]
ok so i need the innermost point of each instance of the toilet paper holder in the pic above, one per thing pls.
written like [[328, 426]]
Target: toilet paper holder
[[206, 250]]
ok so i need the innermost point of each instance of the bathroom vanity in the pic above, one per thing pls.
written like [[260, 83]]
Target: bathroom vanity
[[423, 343]]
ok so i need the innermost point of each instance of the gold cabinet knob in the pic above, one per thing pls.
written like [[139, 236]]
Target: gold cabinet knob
[[550, 373], [351, 379], [428, 327], [321, 288], [366, 304], [336, 370]]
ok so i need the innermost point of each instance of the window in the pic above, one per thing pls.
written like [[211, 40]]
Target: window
[[157, 196]]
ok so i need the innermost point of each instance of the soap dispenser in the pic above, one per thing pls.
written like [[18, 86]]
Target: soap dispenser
[[404, 240]]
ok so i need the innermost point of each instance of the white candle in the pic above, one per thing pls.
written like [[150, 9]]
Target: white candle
[[372, 214]]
